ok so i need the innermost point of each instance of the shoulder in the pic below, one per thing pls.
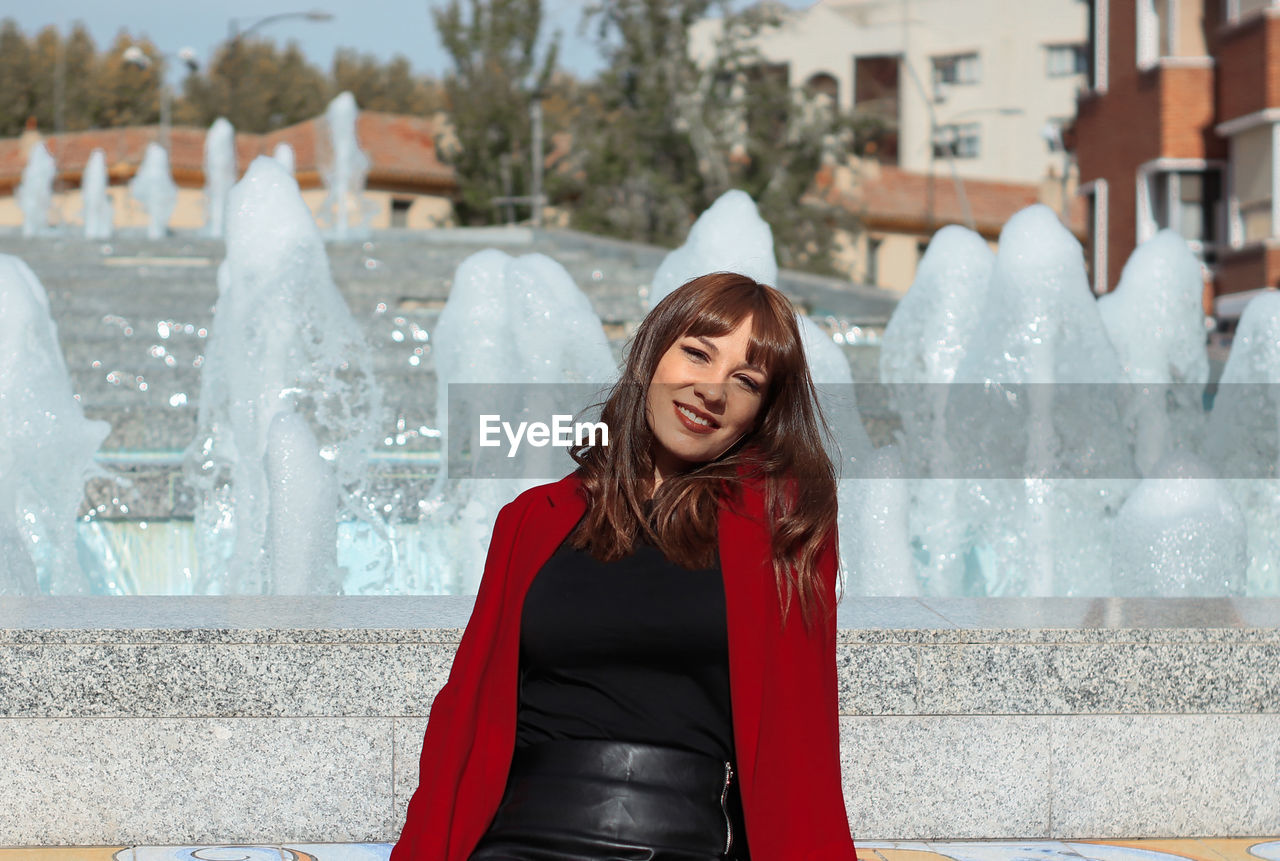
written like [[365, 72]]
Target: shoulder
[[554, 494]]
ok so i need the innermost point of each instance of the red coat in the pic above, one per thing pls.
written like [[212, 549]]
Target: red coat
[[782, 683]]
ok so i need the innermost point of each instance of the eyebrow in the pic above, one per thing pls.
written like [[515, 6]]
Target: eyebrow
[[745, 365]]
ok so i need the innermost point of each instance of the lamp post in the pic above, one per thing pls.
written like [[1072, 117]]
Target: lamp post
[[135, 56], [236, 35], [934, 126], [934, 138]]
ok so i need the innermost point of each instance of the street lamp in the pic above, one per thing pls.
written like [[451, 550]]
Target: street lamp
[[236, 35], [136, 57]]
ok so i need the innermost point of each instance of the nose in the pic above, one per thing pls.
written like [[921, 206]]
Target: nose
[[711, 391]]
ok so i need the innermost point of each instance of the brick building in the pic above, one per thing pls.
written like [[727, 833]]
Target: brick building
[[1178, 128]]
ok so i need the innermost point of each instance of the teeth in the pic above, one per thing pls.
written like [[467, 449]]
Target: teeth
[[693, 417]]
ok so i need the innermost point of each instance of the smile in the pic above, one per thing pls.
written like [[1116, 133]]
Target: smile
[[694, 421]]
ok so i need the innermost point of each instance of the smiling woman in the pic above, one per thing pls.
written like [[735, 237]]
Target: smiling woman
[[633, 681]]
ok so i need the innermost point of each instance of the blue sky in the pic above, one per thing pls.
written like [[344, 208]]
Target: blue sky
[[381, 27]]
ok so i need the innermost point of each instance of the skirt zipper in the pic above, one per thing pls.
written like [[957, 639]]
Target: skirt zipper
[[724, 793]]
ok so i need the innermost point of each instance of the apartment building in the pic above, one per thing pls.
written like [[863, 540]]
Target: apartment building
[[974, 97], [1179, 127], [984, 84]]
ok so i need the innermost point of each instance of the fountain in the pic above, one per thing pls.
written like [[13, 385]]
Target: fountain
[[923, 345], [730, 236], [513, 333], [1243, 437], [283, 153], [1161, 285], [154, 188], [1180, 528], [345, 174], [35, 191], [46, 444], [284, 359], [93, 191], [989, 478], [219, 174]]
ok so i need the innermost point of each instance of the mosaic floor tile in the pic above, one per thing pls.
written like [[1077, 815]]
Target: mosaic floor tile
[[1005, 850], [64, 853], [1183, 848], [868, 851], [207, 853], [337, 851], [1268, 851], [1144, 850]]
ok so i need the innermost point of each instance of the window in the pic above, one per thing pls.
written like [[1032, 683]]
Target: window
[[1237, 9], [873, 260], [1189, 202], [957, 141], [1052, 133], [1253, 183], [400, 211], [1096, 198], [1098, 71], [956, 69], [1155, 32], [1066, 60], [875, 97]]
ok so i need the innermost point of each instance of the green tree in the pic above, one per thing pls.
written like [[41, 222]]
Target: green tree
[[125, 94], [79, 69], [256, 86], [496, 72], [15, 79], [674, 134]]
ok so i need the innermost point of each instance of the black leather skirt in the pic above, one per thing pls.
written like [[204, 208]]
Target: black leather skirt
[[616, 801]]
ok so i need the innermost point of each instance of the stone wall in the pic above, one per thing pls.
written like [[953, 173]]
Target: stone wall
[[243, 720]]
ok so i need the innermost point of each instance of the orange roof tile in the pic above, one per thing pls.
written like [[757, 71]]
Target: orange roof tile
[[899, 200], [401, 151]]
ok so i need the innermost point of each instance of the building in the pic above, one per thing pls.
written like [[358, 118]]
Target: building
[[899, 211], [1180, 128], [973, 113], [406, 186], [983, 83]]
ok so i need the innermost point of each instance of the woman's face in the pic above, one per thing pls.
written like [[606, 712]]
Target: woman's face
[[703, 398]]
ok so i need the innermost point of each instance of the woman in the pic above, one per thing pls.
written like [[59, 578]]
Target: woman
[[649, 670]]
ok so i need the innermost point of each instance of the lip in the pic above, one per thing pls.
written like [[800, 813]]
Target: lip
[[691, 425]]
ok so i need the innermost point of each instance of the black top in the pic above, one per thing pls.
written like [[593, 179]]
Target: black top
[[632, 650]]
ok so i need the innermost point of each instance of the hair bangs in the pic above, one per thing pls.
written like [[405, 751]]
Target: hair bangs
[[773, 328]]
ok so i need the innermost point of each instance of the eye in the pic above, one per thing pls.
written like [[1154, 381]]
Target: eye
[[694, 353], [749, 383]]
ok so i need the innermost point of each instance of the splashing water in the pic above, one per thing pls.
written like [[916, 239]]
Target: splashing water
[[154, 188], [46, 444], [282, 342], [219, 174], [93, 191], [283, 153], [345, 174], [508, 320], [729, 237], [35, 191]]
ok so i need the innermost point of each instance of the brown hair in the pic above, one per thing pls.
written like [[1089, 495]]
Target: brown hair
[[783, 452]]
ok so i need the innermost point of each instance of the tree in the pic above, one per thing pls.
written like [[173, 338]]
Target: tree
[[126, 95], [15, 79], [674, 134], [80, 69], [495, 75]]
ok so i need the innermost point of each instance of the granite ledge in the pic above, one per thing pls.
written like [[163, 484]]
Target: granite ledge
[[441, 619]]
